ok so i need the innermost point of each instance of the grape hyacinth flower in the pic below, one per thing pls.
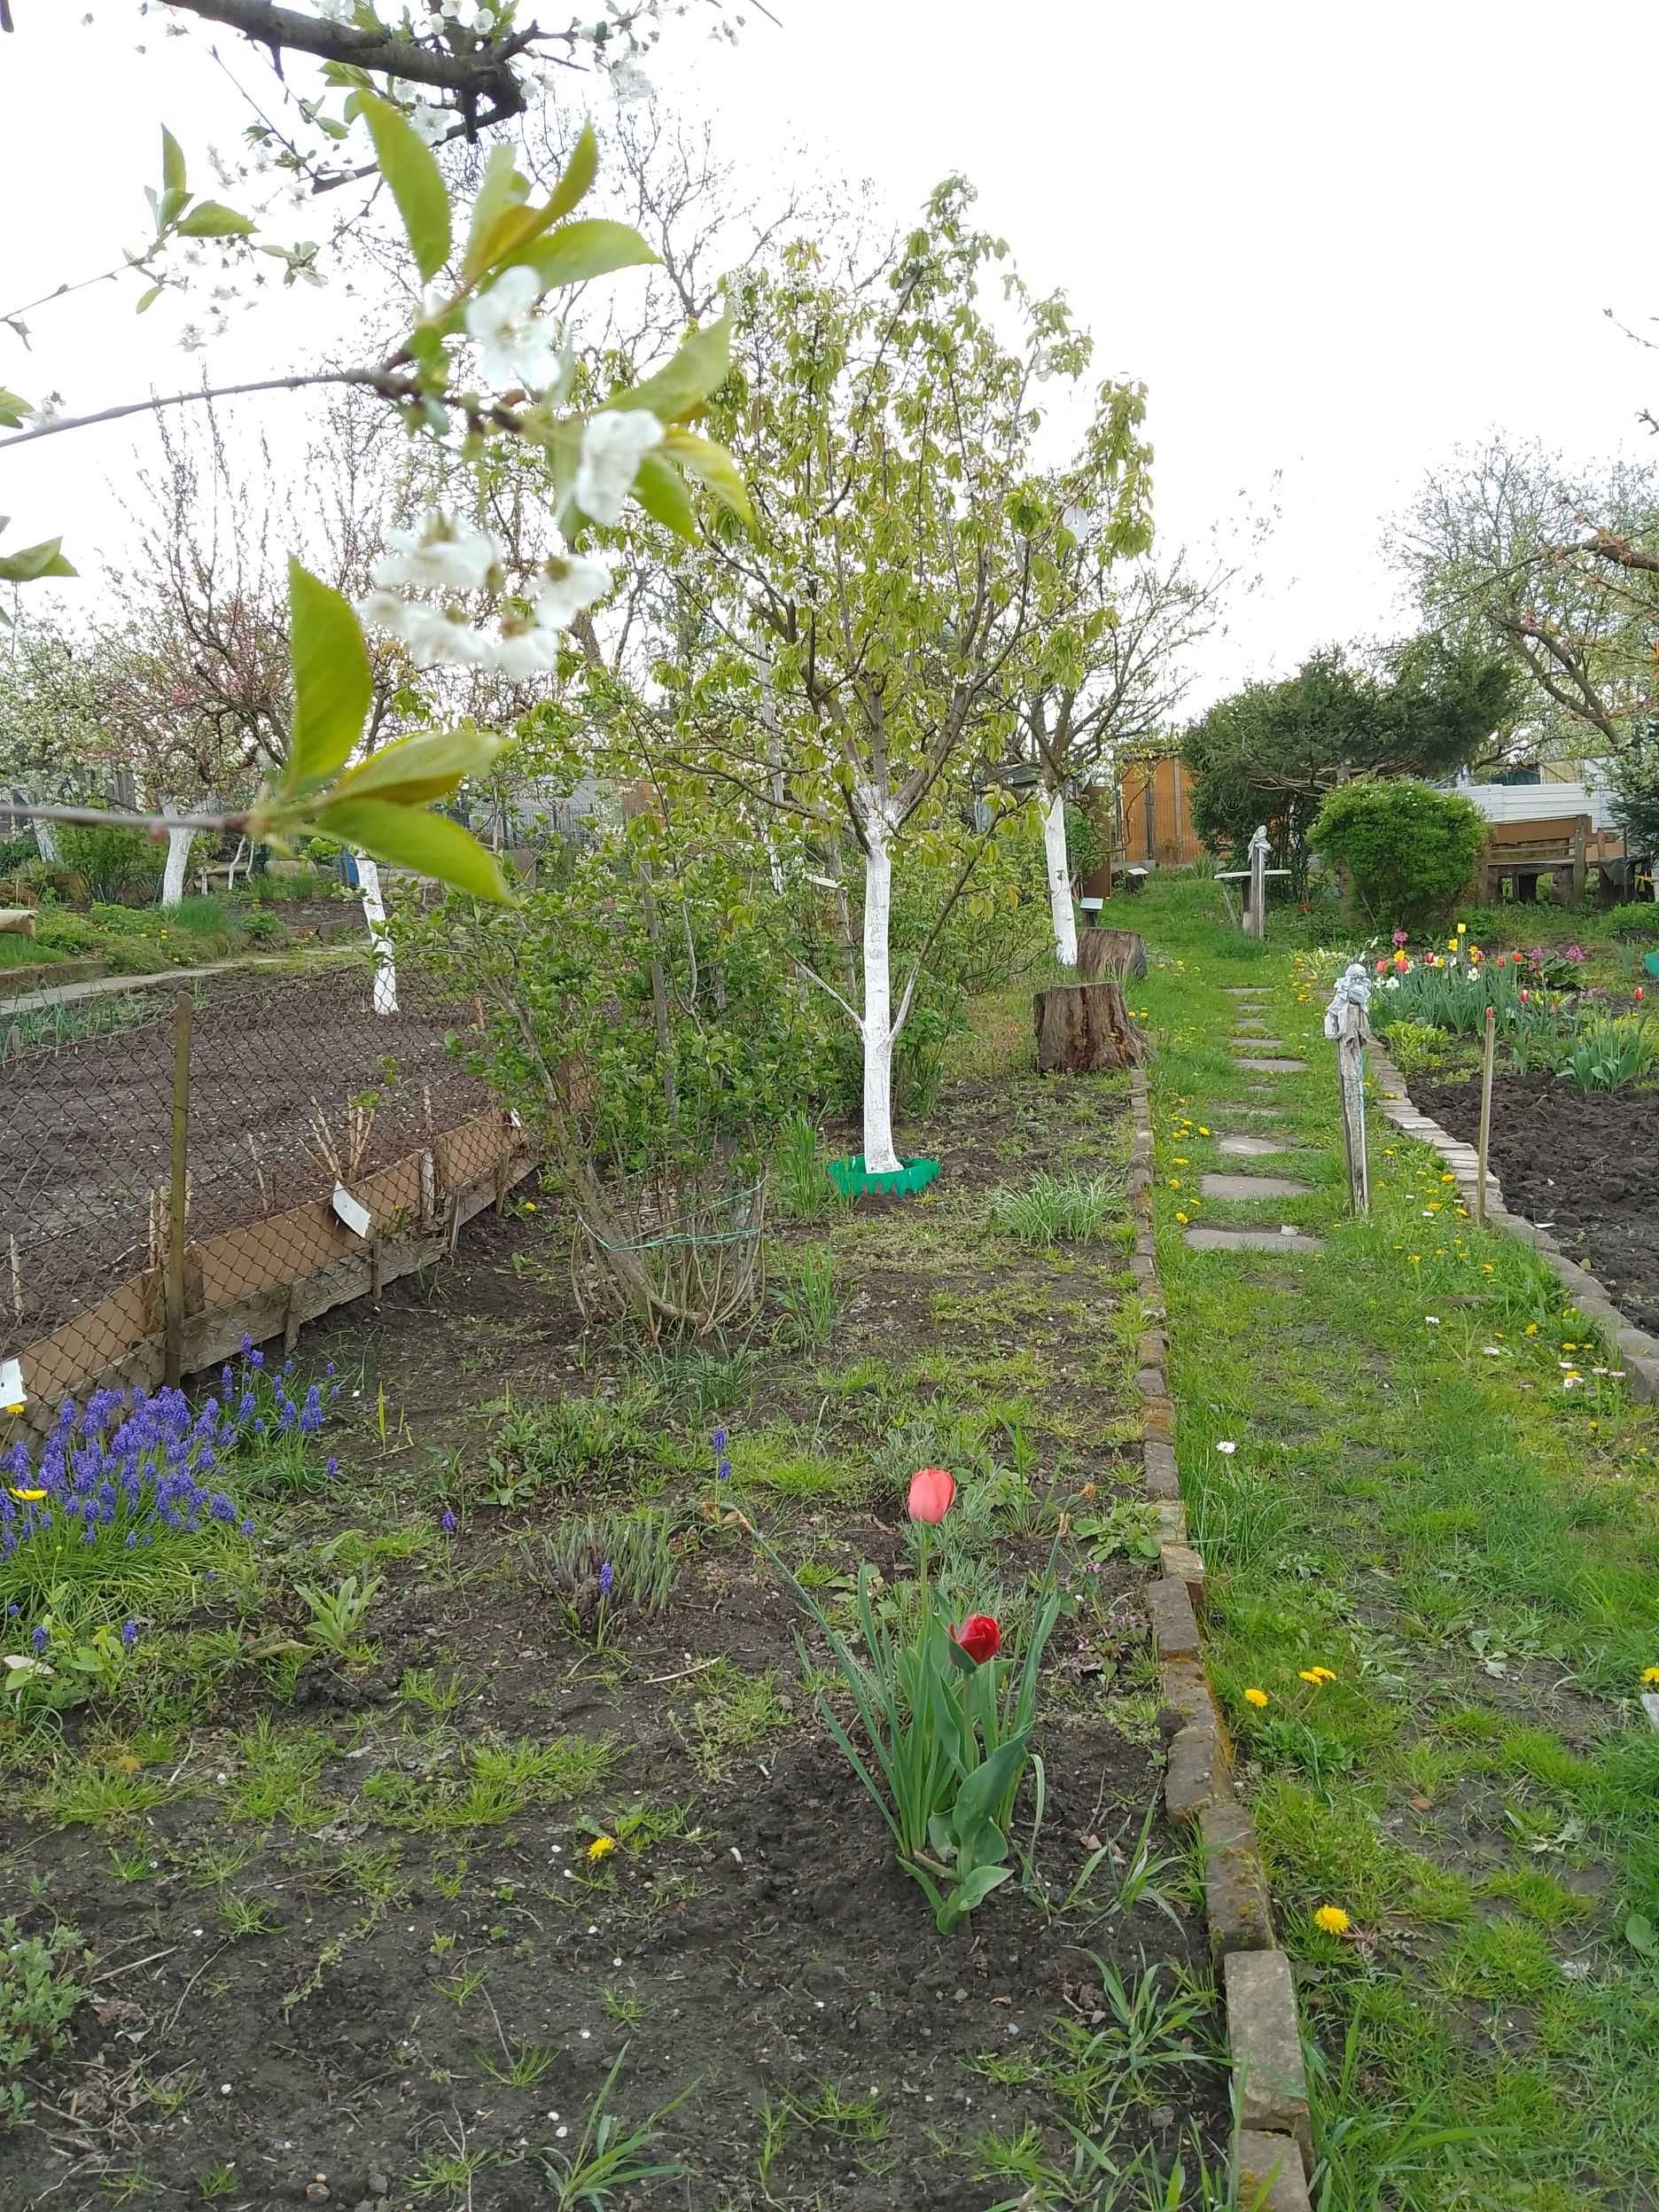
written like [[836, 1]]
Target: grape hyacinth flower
[[447, 1521], [607, 1579]]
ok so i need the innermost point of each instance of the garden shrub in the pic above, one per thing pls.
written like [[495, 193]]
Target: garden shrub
[[65, 932], [1409, 850], [1635, 917], [1419, 1048], [115, 862]]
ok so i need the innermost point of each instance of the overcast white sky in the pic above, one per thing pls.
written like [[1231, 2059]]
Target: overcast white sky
[[1334, 241]]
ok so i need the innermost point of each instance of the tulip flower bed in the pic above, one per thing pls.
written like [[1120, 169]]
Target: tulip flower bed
[[728, 1777]]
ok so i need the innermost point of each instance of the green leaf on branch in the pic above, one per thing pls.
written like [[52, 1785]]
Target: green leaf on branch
[[34, 562], [170, 208], [212, 219], [660, 490], [580, 251], [173, 178], [579, 172], [148, 299], [418, 769], [406, 837], [701, 365], [407, 164], [500, 198], [333, 682], [13, 407], [713, 467]]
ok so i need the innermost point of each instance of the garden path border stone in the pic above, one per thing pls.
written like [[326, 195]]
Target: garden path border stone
[[1637, 1352], [1271, 2152]]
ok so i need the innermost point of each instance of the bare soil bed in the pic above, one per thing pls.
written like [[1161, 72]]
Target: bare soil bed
[[1584, 1164], [442, 1973]]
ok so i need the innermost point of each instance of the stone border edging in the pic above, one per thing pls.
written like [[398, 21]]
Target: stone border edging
[[1273, 2148], [1638, 1350]]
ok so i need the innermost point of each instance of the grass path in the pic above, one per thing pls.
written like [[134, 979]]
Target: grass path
[[1390, 1476]]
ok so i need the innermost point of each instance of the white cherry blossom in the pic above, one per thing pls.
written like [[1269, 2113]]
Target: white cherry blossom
[[432, 633], [570, 582], [613, 445], [516, 345], [443, 556]]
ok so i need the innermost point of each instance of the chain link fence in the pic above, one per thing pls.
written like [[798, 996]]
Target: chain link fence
[[181, 1168]]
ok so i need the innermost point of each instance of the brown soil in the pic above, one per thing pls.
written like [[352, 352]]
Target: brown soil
[[1584, 1164], [764, 1945]]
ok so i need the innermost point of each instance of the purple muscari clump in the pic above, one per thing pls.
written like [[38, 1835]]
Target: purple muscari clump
[[256, 1358], [607, 1579], [448, 1523], [246, 1406], [311, 1415], [331, 1467], [130, 1635], [40, 1639], [722, 1465]]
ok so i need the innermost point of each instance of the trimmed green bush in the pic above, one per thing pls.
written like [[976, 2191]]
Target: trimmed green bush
[[116, 862], [1409, 850]]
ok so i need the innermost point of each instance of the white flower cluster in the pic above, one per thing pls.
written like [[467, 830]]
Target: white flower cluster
[[517, 347], [450, 558]]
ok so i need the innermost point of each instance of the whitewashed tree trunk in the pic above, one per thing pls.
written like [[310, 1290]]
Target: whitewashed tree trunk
[[178, 849], [45, 832], [1052, 805], [374, 914], [879, 1156]]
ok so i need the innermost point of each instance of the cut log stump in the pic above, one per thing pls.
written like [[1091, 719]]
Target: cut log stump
[[1085, 1029], [1114, 952]]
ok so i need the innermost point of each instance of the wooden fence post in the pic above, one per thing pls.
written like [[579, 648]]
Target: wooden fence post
[[178, 1193], [1345, 1021], [1256, 911], [1485, 1116]]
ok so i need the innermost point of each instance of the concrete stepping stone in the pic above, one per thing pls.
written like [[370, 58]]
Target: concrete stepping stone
[[1260, 1044], [1244, 1148], [1252, 1028], [1237, 1107], [1253, 1187], [1252, 1241], [1245, 990], [1272, 1067]]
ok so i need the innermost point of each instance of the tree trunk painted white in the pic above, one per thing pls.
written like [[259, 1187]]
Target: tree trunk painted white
[[374, 914], [45, 832], [178, 848], [1052, 806], [879, 1156]]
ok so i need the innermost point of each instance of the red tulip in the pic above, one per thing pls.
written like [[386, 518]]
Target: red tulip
[[931, 1490], [979, 1636]]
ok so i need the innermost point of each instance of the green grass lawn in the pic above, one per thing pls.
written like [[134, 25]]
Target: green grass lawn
[[1391, 1477]]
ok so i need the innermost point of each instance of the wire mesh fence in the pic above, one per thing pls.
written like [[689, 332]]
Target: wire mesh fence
[[180, 1169]]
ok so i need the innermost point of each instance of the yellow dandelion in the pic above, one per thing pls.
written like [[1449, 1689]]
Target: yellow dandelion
[[1174, 1183], [27, 1497], [1532, 1328], [1317, 1675], [1180, 1162], [1332, 1920], [602, 1847], [530, 1205], [1650, 1676], [1203, 1131], [1181, 1217], [1256, 1697]]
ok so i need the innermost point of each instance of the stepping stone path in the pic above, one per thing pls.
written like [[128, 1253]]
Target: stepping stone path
[[1260, 1044], [1252, 1148], [1253, 1187], [1271, 1067], [1252, 1241]]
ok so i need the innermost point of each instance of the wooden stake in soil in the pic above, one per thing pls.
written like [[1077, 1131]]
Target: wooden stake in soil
[[178, 1193], [1345, 1021], [1485, 1115]]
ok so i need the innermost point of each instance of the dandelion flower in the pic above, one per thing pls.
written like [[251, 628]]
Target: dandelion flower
[[1332, 1920], [1650, 1676], [29, 1497], [602, 1847], [1181, 1217], [1256, 1697]]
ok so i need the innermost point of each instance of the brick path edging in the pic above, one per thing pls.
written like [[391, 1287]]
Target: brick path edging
[[1273, 2150], [1638, 1352]]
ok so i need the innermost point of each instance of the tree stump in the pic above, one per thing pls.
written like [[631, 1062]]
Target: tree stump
[[1110, 952], [1084, 1028]]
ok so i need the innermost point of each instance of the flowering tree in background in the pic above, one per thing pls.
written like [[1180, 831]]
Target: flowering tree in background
[[851, 675]]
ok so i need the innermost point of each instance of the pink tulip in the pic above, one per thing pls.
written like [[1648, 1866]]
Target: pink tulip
[[931, 1490]]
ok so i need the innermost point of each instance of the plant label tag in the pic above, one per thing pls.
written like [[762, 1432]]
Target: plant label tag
[[13, 1397], [515, 1120], [351, 1211]]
